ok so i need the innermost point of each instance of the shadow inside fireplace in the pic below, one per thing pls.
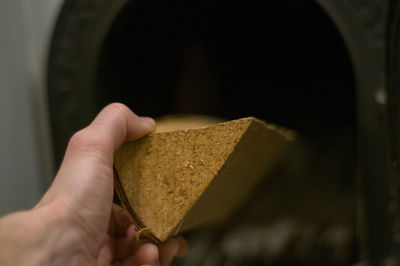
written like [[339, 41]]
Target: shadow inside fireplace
[[284, 62]]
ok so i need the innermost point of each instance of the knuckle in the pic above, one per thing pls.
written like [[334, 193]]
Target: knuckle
[[118, 108], [85, 141], [79, 139]]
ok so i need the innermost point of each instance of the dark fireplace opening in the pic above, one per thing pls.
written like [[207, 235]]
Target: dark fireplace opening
[[284, 62]]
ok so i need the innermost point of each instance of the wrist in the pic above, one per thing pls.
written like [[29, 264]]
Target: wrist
[[42, 236], [21, 242]]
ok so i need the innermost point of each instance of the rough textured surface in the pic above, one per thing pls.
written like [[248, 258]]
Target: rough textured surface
[[178, 180]]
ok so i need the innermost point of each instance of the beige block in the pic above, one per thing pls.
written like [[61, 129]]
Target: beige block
[[177, 180]]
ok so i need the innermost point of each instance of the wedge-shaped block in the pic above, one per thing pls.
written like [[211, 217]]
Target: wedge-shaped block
[[178, 180]]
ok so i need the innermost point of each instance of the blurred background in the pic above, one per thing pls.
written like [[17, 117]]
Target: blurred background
[[26, 159], [313, 66]]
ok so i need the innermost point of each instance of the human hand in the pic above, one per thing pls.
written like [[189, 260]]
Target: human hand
[[76, 223]]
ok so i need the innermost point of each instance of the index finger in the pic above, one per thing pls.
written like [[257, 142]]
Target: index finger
[[115, 124], [89, 155]]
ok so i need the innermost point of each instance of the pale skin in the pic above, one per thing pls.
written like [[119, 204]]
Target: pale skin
[[76, 223]]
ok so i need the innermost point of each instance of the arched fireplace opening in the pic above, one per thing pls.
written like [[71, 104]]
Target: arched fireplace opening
[[283, 61]]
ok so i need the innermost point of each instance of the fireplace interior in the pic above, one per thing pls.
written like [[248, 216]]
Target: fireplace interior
[[284, 62]]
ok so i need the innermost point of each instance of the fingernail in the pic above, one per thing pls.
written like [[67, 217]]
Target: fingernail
[[150, 123]]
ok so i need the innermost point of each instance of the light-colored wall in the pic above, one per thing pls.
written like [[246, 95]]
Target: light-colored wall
[[25, 152]]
